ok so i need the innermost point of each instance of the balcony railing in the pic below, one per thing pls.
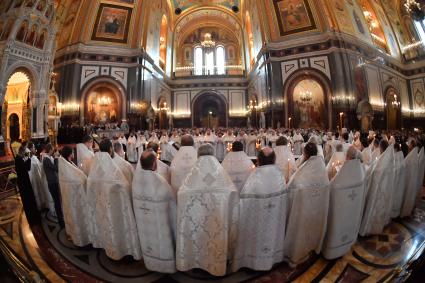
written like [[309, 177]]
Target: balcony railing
[[189, 71]]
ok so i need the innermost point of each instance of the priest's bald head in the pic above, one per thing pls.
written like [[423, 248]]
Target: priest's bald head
[[266, 156], [106, 146], [187, 140], [206, 150], [352, 153], [148, 160]]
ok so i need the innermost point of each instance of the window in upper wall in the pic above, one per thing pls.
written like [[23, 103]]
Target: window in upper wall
[[209, 63], [220, 60], [199, 62], [420, 29]]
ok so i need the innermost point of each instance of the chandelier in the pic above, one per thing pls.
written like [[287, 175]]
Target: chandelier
[[414, 9], [395, 103], [208, 44], [104, 101], [306, 96]]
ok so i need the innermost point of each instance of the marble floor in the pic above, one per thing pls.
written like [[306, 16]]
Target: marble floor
[[46, 250]]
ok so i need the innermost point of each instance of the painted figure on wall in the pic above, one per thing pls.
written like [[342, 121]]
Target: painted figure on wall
[[293, 16], [112, 23]]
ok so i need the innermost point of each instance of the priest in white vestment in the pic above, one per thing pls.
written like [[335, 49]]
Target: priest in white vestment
[[238, 165], [347, 191], [374, 148], [410, 193], [126, 168], [72, 182], [85, 154], [421, 169], [220, 147], [154, 203], [161, 168], [251, 144], [207, 213], [284, 158], [38, 181], [183, 161], [379, 192], [132, 149], [113, 226], [400, 181], [308, 208], [297, 139], [262, 216], [336, 161]]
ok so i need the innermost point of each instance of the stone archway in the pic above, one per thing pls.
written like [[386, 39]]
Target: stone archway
[[307, 92], [209, 109], [14, 127], [308, 103], [102, 102], [16, 110]]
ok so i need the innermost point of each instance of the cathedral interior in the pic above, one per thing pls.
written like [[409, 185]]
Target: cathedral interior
[[325, 64]]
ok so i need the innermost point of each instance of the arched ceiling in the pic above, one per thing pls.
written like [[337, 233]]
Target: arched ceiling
[[185, 5], [206, 17]]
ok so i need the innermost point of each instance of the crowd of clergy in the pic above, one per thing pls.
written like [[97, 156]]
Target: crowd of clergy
[[220, 201]]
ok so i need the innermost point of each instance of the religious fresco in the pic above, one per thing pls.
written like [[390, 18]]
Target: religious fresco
[[293, 16], [342, 16], [309, 113], [395, 21], [386, 26], [358, 21], [71, 15], [217, 34], [112, 23]]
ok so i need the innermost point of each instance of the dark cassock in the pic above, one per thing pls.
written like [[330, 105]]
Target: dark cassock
[[22, 167]]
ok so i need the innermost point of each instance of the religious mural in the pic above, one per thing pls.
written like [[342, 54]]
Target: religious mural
[[309, 105], [343, 17], [293, 16], [112, 23]]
